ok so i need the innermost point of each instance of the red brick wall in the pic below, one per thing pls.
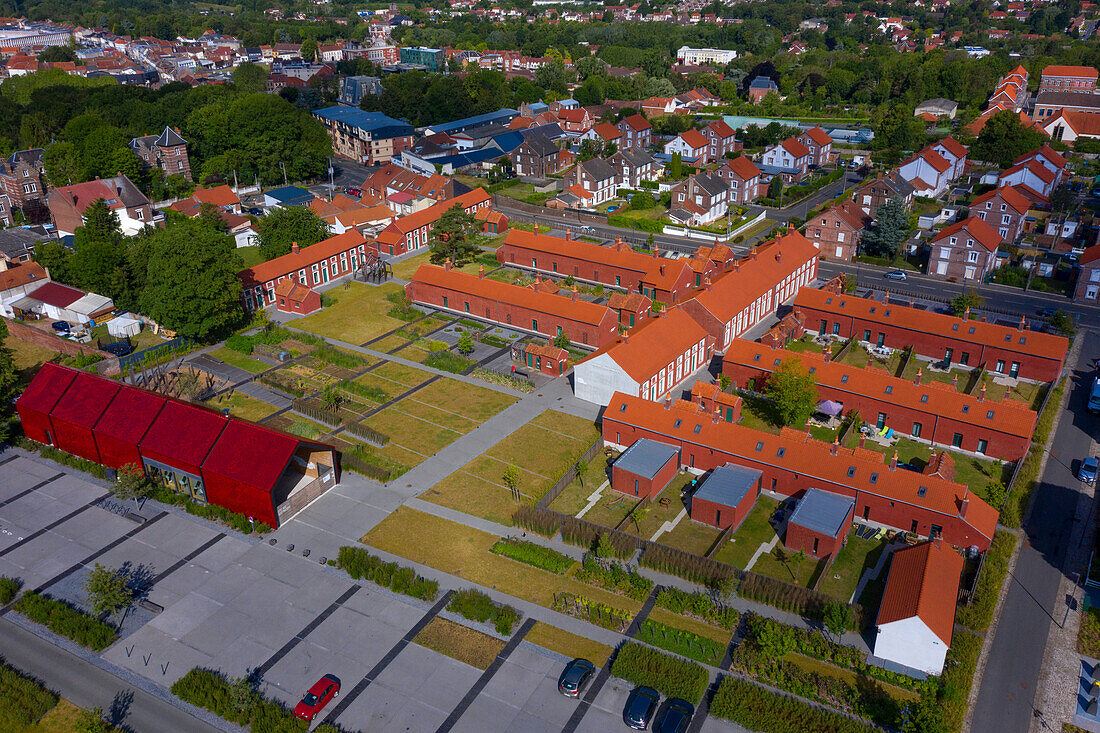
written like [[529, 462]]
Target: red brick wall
[[624, 480], [581, 269], [721, 516], [800, 538]]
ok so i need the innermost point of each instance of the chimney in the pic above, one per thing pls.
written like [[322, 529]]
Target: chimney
[[706, 282], [835, 447], [568, 233], [573, 295], [778, 256], [964, 505], [668, 402], [955, 381], [536, 230], [446, 262], [662, 270], [1022, 324], [294, 248], [827, 353], [981, 393], [626, 337], [862, 440], [919, 372], [656, 250], [481, 272], [894, 462], [966, 314], [737, 265], [752, 253], [717, 415], [912, 302]]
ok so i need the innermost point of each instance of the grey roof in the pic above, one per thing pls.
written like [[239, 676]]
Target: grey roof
[[552, 131], [762, 82], [938, 103], [541, 146], [633, 157], [1069, 99], [127, 192], [711, 184], [823, 512], [170, 138], [598, 168], [32, 157], [18, 242], [646, 457], [727, 485]]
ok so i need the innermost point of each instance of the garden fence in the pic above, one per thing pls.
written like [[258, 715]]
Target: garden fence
[[569, 476]]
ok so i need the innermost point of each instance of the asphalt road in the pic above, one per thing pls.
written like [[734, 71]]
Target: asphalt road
[[87, 685], [1005, 699]]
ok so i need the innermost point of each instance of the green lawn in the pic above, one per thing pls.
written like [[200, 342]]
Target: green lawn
[[856, 556], [973, 472], [575, 496], [653, 516], [239, 360], [613, 507], [27, 357], [405, 269], [357, 315], [250, 256], [690, 536], [799, 573], [243, 406], [753, 532], [758, 414]]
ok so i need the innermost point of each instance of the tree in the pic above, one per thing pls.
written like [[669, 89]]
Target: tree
[[775, 188], [888, 232], [1004, 139], [285, 226], [968, 301], [62, 163], [465, 343], [332, 398], [780, 554], [676, 167], [55, 257], [452, 237], [837, 618], [604, 549], [582, 469], [191, 284], [309, 49], [799, 557], [1063, 323], [132, 483], [107, 590], [250, 78], [793, 391], [510, 477], [57, 53], [92, 721], [562, 340], [99, 250]]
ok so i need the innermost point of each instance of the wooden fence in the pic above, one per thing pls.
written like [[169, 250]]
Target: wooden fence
[[569, 476]]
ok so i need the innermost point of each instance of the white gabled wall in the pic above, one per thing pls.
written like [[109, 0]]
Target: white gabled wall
[[600, 377], [910, 642]]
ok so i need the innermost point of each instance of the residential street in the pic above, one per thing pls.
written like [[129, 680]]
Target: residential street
[[1005, 699]]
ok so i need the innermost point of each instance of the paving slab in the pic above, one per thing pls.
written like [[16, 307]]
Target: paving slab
[[184, 615], [160, 649]]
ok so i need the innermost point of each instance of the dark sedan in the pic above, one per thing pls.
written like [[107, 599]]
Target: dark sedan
[[675, 717], [575, 677], [640, 707]]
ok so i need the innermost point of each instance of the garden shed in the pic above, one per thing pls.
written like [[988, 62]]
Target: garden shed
[[726, 496], [645, 468], [820, 523]]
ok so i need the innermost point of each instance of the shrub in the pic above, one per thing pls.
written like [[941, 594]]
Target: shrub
[[213, 512], [681, 642], [212, 691], [1027, 476], [614, 577], [66, 620], [699, 605], [25, 700], [541, 521], [9, 588], [370, 391], [338, 358], [704, 571], [478, 606], [241, 343], [60, 456], [403, 309], [663, 672], [791, 598], [987, 590], [358, 563], [599, 614], [755, 708], [958, 676], [533, 554], [448, 362]]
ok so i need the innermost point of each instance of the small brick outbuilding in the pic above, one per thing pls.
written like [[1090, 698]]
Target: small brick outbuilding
[[645, 468], [820, 523]]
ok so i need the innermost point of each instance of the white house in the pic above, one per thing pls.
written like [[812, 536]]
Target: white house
[[1047, 157], [704, 56], [1032, 174], [691, 145], [917, 613], [790, 158], [954, 153], [928, 172]]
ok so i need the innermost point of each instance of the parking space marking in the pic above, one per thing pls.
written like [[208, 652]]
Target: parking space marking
[[99, 553], [274, 658], [487, 675], [23, 493], [188, 558], [385, 661], [52, 525]]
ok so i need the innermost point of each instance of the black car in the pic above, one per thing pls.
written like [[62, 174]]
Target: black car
[[575, 676], [640, 707], [256, 212], [61, 326], [120, 348], [674, 717]]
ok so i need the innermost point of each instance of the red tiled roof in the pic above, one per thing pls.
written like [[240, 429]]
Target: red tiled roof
[[1082, 123], [57, 295], [954, 147], [1036, 343], [1091, 254], [637, 122], [979, 230], [1084, 72], [1052, 156], [1008, 194], [655, 343], [1034, 167], [795, 148], [305, 257], [218, 196], [627, 258], [923, 583], [430, 215], [607, 131], [21, 273], [819, 136], [851, 215], [86, 400], [721, 129], [184, 432], [632, 302], [743, 167], [934, 159], [694, 139], [292, 289]]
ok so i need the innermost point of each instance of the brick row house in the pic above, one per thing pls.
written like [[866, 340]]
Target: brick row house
[[1004, 209], [593, 181], [1067, 79], [742, 177], [876, 192], [539, 157], [964, 251], [1003, 350], [23, 177], [793, 462], [636, 131], [1087, 288], [635, 166], [703, 198], [414, 231], [836, 231], [721, 139], [167, 151], [691, 145], [932, 411], [321, 263], [524, 308], [789, 159], [820, 145]]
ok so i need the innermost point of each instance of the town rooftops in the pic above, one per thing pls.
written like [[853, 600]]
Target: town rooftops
[[375, 123], [763, 82], [923, 583], [1082, 123], [1032, 166], [694, 139], [646, 457], [953, 146], [1082, 72], [430, 215], [934, 159], [637, 122], [1091, 254], [1044, 151], [654, 343], [819, 136], [1035, 343], [1081, 98], [851, 215], [21, 273], [727, 485], [304, 257], [503, 116], [823, 512], [170, 138], [1013, 198], [980, 231], [863, 470], [580, 311], [607, 131], [218, 196]]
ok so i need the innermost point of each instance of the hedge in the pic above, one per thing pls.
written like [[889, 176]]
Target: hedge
[[25, 700], [334, 356], [686, 565], [792, 598], [213, 512], [358, 563], [533, 554], [758, 709], [540, 521], [66, 620], [684, 643], [478, 606], [9, 588], [665, 673], [613, 577], [448, 362], [700, 605], [60, 456], [987, 591], [1027, 476]]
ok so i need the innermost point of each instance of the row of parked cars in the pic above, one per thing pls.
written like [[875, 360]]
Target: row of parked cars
[[641, 705]]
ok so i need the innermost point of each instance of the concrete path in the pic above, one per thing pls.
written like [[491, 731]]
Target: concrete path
[[593, 500], [872, 573], [669, 526], [764, 548], [262, 393]]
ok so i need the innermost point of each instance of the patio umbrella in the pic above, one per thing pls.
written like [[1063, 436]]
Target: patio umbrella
[[830, 408]]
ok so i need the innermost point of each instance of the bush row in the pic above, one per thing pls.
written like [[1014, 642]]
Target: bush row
[[755, 708], [270, 335], [684, 643], [448, 361], [594, 612], [283, 384], [987, 590], [533, 554], [334, 356], [958, 676], [357, 461], [9, 588], [1027, 476], [588, 535], [665, 673], [362, 431], [66, 620], [358, 563], [540, 521], [699, 605], [25, 700], [614, 577], [695, 568], [504, 380], [214, 512], [372, 392], [792, 598], [60, 456], [478, 606]]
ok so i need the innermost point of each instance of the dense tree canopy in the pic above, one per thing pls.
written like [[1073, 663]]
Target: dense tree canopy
[[1004, 139], [285, 226]]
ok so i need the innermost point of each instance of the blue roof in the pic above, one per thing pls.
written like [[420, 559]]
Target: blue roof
[[290, 195], [506, 115], [376, 123], [646, 457], [538, 107], [508, 141], [727, 485], [762, 82], [460, 160], [823, 512]]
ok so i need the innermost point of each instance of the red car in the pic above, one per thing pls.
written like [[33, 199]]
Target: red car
[[321, 694]]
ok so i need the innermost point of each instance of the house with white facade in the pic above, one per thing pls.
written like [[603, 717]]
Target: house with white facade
[[595, 180], [954, 153], [691, 145], [789, 159], [928, 172]]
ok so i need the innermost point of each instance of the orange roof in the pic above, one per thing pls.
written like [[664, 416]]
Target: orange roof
[[305, 257], [819, 136], [655, 343], [22, 273], [694, 139], [607, 131], [1052, 156], [1082, 123], [976, 126], [711, 391], [795, 148], [519, 123], [1084, 72], [630, 302], [923, 583], [1036, 343], [743, 167], [625, 258], [1091, 254], [755, 275], [430, 215], [581, 311], [1008, 416], [1033, 166], [933, 159], [721, 129], [954, 147], [978, 229], [361, 215], [218, 196], [292, 289], [796, 451], [1008, 194], [637, 122], [928, 117]]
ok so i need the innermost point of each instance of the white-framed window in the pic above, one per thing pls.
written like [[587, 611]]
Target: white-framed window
[[1090, 292], [953, 241], [971, 256]]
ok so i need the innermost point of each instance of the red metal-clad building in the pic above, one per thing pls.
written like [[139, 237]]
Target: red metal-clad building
[[74, 418], [189, 449]]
